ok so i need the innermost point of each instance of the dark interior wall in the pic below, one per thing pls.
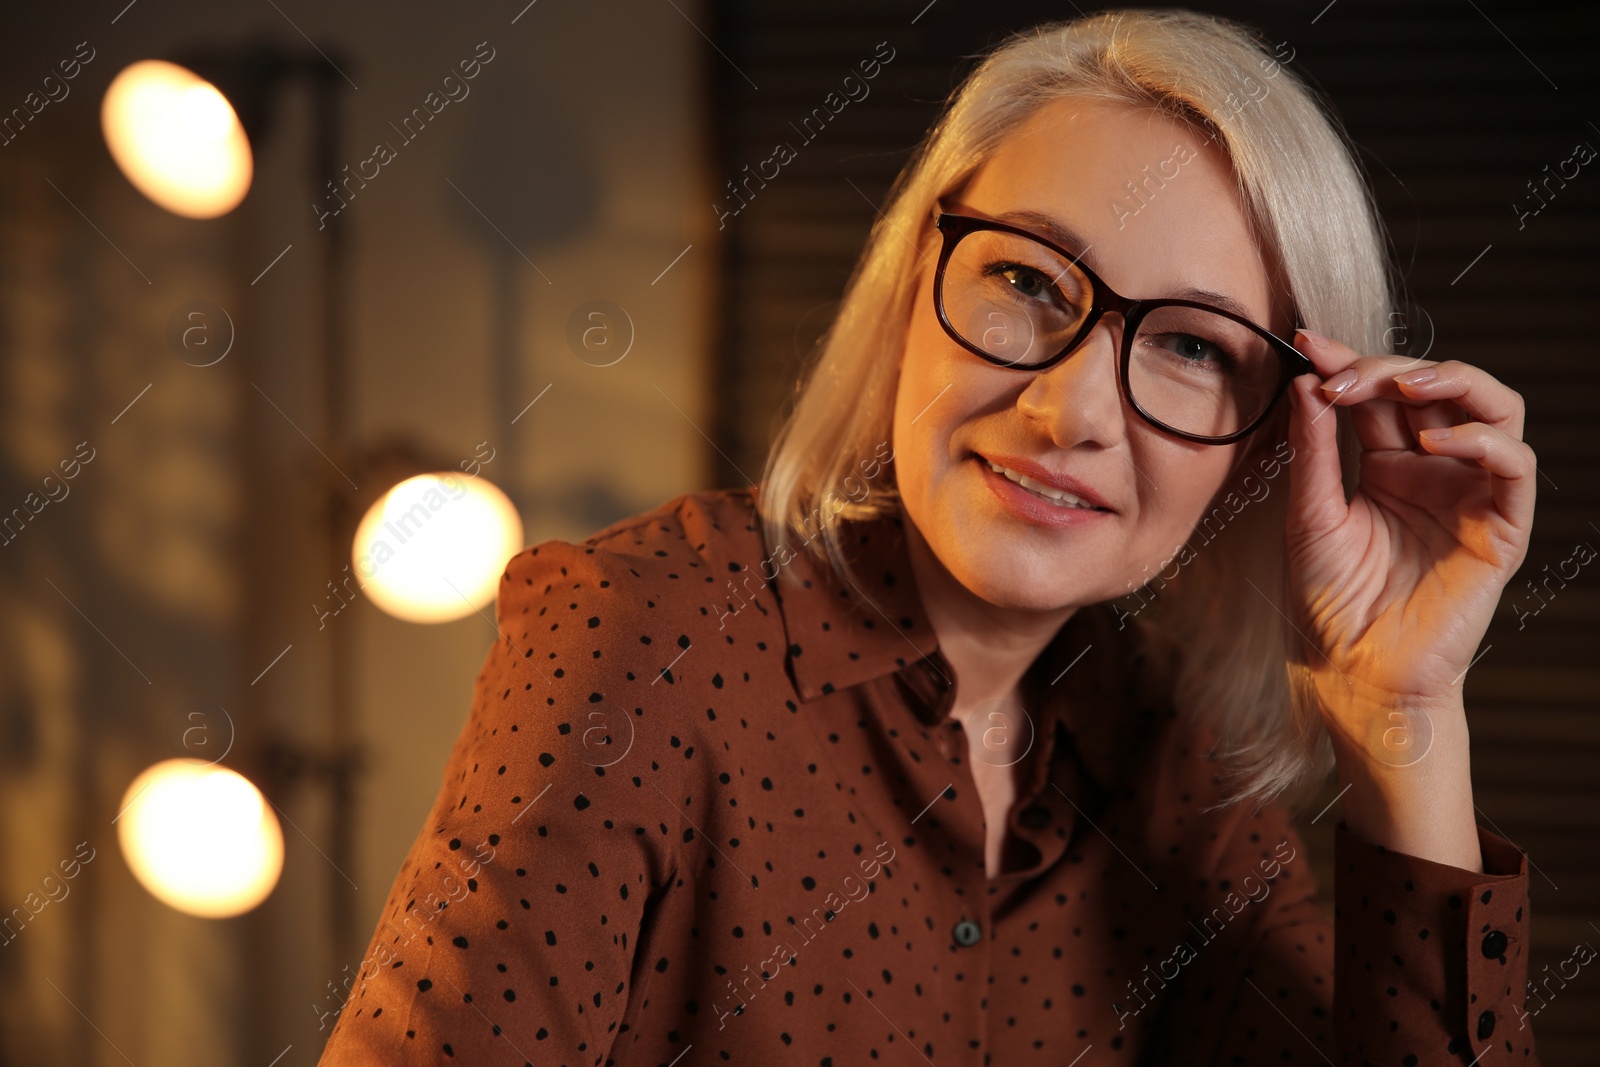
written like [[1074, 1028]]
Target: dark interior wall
[[1456, 107]]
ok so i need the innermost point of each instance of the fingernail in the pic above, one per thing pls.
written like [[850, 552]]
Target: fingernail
[[1339, 382], [1439, 434], [1316, 339], [1417, 377]]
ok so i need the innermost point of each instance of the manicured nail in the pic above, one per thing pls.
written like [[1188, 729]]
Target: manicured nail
[[1439, 434], [1316, 339], [1417, 377], [1340, 382]]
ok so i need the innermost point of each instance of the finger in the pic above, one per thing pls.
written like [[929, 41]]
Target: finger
[[1331, 357], [1355, 381], [1417, 383], [1431, 417], [1374, 378], [1383, 417], [1480, 394], [1328, 356], [1316, 487], [1511, 463], [1391, 423], [1438, 393]]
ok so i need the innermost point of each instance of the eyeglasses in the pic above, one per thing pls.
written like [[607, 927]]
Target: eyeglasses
[[1196, 371]]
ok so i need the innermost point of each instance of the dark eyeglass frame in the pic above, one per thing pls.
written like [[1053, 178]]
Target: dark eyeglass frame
[[1103, 299]]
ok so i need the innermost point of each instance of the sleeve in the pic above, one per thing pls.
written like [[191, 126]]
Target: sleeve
[[509, 935], [1423, 964], [1432, 959]]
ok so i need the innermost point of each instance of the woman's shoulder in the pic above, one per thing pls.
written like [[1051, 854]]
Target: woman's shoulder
[[680, 548], [623, 606], [718, 518], [591, 633]]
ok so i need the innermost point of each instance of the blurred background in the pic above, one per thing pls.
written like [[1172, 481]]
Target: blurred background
[[515, 247]]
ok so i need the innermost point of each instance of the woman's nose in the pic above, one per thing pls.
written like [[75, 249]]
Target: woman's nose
[[1079, 399]]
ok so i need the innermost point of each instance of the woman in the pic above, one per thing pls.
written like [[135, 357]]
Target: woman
[[880, 753]]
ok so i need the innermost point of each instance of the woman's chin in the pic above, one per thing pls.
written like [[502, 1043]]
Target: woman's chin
[[1023, 586]]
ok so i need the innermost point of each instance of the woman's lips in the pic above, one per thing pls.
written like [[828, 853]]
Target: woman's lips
[[1063, 489], [1030, 506]]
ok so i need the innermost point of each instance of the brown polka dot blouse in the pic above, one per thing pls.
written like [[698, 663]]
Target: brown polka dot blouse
[[698, 817]]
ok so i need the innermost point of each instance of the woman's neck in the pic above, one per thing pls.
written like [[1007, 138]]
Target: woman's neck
[[989, 647]]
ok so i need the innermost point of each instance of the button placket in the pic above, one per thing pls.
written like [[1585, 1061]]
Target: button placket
[[1035, 822]]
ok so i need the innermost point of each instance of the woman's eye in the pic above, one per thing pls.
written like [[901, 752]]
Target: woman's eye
[[1196, 349], [1028, 281]]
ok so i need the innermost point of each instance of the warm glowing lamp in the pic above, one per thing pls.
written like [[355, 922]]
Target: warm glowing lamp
[[433, 548], [201, 838], [177, 138]]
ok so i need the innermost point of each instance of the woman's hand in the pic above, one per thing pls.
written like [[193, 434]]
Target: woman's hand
[[1396, 588]]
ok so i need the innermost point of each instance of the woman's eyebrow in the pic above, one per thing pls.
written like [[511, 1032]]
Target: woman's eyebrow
[[1047, 225], [1215, 299], [1073, 242]]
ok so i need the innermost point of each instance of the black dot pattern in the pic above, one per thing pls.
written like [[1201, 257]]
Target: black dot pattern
[[695, 811]]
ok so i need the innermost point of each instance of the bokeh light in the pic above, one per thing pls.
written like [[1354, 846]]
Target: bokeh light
[[433, 548], [177, 139], [200, 838]]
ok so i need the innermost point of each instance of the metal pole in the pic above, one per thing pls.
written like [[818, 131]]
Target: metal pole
[[342, 689]]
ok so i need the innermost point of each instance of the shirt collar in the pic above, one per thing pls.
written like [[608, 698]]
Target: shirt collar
[[1090, 680]]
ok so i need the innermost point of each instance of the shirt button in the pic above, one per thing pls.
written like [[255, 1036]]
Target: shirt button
[[1036, 817], [1494, 944], [967, 933], [1485, 1026]]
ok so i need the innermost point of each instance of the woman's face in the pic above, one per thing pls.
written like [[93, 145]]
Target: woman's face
[[1072, 161]]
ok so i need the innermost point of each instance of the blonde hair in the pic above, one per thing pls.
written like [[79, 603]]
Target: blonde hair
[[1239, 667]]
